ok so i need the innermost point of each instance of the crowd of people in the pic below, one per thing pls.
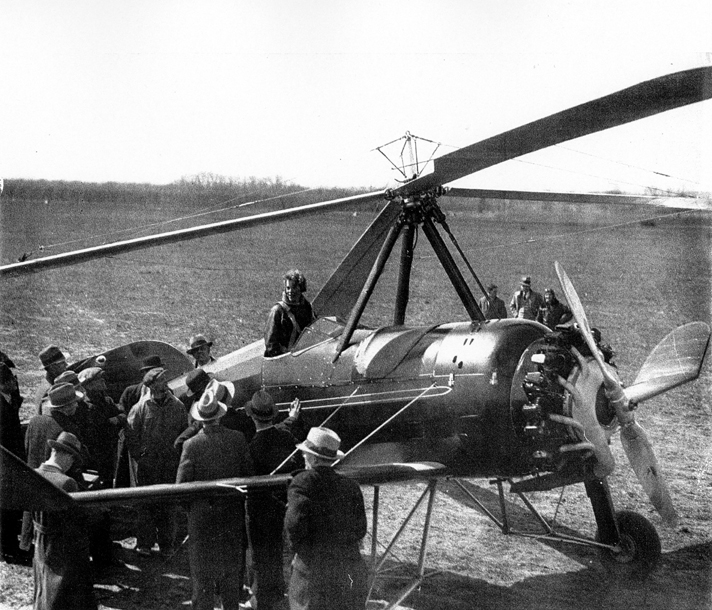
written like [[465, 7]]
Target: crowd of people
[[81, 438], [526, 304]]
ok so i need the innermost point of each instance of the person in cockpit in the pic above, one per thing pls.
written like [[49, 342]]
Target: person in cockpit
[[292, 314]]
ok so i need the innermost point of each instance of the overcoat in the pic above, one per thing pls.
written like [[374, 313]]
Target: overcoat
[[325, 523], [215, 526], [62, 570]]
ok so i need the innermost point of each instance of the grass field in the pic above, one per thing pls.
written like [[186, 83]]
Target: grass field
[[638, 279]]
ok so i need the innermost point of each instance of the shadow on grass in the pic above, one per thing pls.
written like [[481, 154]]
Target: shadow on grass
[[521, 519], [683, 581]]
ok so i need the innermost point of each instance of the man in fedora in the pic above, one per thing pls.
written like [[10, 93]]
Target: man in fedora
[[63, 399], [272, 451], [526, 302], [325, 522], [62, 570], [132, 394], [198, 381], [200, 350], [54, 363], [215, 526], [60, 417], [152, 427]]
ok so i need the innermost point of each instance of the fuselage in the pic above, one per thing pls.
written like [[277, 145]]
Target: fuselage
[[448, 389]]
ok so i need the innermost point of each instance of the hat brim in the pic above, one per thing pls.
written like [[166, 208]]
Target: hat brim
[[145, 369], [198, 392], [77, 397], [66, 448], [192, 350], [303, 447], [195, 414], [261, 416]]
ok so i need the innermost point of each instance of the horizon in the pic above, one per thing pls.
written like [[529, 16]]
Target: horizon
[[149, 93]]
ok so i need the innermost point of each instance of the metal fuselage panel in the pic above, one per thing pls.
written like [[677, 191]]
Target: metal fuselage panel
[[453, 383]]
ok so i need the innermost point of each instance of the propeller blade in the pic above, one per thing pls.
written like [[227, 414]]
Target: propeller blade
[[636, 102], [130, 245], [677, 359], [645, 465], [680, 203], [634, 439], [580, 316]]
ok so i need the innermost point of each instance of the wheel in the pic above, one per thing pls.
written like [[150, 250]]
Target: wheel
[[640, 548]]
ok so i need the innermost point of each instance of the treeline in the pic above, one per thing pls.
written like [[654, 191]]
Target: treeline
[[198, 190]]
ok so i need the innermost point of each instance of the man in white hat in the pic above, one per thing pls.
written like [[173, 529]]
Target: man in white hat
[[215, 526], [62, 570], [153, 425], [325, 522]]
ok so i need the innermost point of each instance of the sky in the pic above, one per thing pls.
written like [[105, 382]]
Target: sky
[[305, 90]]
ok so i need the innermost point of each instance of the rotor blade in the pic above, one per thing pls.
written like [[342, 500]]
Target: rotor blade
[[677, 359], [636, 102], [338, 296], [645, 465], [78, 256], [682, 203]]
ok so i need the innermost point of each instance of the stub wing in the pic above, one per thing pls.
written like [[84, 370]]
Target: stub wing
[[25, 489]]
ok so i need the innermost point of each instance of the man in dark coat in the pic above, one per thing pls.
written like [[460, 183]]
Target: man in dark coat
[[105, 420], [63, 400], [11, 438], [54, 363], [554, 312], [289, 317], [62, 570], [325, 522], [273, 452], [216, 525]]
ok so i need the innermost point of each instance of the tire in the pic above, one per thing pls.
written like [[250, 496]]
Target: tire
[[640, 548]]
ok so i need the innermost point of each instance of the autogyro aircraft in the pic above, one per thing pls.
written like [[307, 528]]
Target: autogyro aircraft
[[504, 399]]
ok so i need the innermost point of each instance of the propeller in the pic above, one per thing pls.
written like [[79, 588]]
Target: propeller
[[634, 439]]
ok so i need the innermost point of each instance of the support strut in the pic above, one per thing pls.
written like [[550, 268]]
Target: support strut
[[453, 272], [368, 288], [406, 264]]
